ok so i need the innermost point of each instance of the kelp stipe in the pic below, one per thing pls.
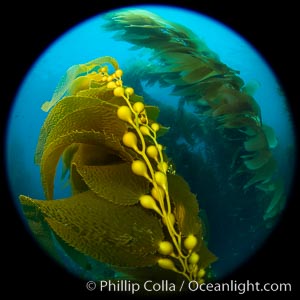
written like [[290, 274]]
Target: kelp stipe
[[159, 200], [128, 209], [198, 77]]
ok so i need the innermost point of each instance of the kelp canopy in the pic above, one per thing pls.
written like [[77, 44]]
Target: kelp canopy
[[181, 60], [128, 208]]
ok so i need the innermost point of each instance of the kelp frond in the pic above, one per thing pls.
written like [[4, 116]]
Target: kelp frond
[[200, 78], [128, 208]]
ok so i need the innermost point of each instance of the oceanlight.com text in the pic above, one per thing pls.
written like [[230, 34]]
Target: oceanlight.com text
[[239, 287]]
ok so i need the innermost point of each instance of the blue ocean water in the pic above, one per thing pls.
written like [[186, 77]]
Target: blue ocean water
[[88, 41]]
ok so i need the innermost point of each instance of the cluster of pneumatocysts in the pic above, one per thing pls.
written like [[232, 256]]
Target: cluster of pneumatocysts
[[177, 254]]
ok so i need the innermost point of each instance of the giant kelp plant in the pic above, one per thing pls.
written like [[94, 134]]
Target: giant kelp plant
[[130, 211], [128, 208], [181, 60]]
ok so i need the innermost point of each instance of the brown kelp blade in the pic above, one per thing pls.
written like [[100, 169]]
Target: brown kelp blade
[[72, 74], [114, 234], [101, 128], [62, 109], [186, 205], [126, 188]]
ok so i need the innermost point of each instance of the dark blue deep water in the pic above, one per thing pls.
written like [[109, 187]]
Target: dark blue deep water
[[233, 218]]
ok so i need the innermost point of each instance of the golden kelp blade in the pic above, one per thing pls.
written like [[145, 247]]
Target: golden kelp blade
[[41, 229], [114, 234], [72, 73], [67, 157], [186, 205], [68, 106], [127, 187], [101, 128]]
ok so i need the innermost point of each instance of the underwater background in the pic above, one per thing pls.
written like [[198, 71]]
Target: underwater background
[[27, 119]]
